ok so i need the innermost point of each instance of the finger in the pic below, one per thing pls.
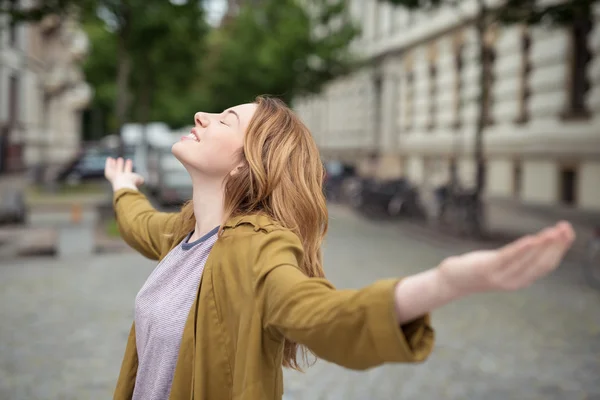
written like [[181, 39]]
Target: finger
[[512, 251], [109, 167], [557, 243], [119, 165], [547, 261], [567, 231], [139, 180], [561, 243], [516, 249], [514, 272], [128, 165]]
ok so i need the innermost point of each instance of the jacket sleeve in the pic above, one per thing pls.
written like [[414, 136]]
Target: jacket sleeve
[[141, 225], [356, 329]]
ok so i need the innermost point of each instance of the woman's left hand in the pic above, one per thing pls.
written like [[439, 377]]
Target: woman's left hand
[[514, 266]]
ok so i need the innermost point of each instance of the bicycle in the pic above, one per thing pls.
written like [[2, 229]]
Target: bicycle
[[591, 264], [460, 211]]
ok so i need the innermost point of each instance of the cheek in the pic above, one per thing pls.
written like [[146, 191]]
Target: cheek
[[226, 148]]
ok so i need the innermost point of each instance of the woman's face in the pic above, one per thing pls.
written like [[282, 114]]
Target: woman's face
[[212, 147]]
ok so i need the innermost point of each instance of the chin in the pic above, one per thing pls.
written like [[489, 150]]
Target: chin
[[181, 152], [186, 155]]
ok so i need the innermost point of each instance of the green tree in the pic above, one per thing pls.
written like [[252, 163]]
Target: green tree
[[273, 47], [100, 69], [157, 39], [167, 50], [528, 12]]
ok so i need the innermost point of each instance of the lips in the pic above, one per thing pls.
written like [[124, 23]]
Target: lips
[[191, 136]]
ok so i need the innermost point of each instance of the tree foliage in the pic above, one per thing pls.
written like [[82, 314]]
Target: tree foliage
[[280, 47], [157, 60], [167, 50]]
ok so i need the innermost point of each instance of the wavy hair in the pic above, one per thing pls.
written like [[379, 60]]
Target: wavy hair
[[282, 177]]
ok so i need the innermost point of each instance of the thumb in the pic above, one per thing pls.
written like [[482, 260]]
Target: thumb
[[138, 179]]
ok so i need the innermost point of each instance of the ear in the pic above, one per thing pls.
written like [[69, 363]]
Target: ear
[[237, 169]]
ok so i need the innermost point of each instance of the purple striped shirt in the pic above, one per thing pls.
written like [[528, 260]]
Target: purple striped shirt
[[161, 309]]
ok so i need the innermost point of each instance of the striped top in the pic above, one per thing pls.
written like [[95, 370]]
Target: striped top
[[161, 309]]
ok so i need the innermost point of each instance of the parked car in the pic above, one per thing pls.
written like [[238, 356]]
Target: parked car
[[395, 197], [13, 208], [175, 188], [168, 180], [88, 165], [337, 175]]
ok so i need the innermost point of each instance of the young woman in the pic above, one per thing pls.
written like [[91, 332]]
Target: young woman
[[240, 286]]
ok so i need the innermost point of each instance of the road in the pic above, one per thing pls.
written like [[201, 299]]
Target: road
[[64, 325]]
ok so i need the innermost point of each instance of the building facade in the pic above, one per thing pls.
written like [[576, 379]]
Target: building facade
[[42, 91], [413, 110]]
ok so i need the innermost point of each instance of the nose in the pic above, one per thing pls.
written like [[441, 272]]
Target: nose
[[201, 119]]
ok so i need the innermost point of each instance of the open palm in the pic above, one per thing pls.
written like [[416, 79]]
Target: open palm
[[514, 266], [119, 174]]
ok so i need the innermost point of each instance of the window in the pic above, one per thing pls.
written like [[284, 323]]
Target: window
[[517, 178], [409, 90], [13, 100], [524, 91], [432, 86], [489, 59], [458, 81], [581, 56], [568, 185], [378, 88], [12, 29], [376, 29]]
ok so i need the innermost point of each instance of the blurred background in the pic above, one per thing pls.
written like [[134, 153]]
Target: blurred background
[[444, 125]]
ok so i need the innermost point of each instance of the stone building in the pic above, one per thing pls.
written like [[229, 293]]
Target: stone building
[[42, 91], [413, 110]]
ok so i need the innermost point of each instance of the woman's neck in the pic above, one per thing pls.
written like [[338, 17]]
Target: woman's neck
[[208, 208]]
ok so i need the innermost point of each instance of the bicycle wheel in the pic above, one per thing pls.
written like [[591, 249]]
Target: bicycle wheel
[[591, 264]]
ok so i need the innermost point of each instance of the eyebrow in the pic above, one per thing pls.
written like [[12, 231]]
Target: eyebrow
[[234, 113]]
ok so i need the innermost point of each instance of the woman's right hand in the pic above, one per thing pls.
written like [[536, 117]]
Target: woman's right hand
[[119, 174]]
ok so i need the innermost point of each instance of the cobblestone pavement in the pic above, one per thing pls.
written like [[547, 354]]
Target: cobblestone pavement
[[63, 327]]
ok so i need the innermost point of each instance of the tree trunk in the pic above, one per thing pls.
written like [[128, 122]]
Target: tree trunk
[[41, 178], [475, 213], [484, 100], [122, 97]]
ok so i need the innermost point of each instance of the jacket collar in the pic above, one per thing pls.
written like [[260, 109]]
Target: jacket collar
[[258, 221]]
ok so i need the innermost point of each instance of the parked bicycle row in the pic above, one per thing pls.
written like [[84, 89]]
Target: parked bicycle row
[[456, 209]]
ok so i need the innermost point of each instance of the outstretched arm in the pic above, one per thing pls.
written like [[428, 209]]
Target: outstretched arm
[[387, 321], [357, 329], [140, 224], [514, 266]]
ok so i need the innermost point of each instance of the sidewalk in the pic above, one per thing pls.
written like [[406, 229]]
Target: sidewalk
[[46, 214], [14, 181], [506, 217]]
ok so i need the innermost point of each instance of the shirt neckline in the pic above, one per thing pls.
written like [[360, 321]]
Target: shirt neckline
[[185, 245]]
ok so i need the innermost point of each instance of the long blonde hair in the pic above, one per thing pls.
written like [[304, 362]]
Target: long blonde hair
[[282, 177]]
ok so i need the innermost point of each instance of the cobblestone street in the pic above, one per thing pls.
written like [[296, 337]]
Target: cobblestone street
[[63, 328]]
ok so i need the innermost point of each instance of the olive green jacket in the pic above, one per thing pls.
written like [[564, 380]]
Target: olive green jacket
[[252, 295]]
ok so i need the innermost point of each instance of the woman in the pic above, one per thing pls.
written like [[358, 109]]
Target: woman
[[240, 288]]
